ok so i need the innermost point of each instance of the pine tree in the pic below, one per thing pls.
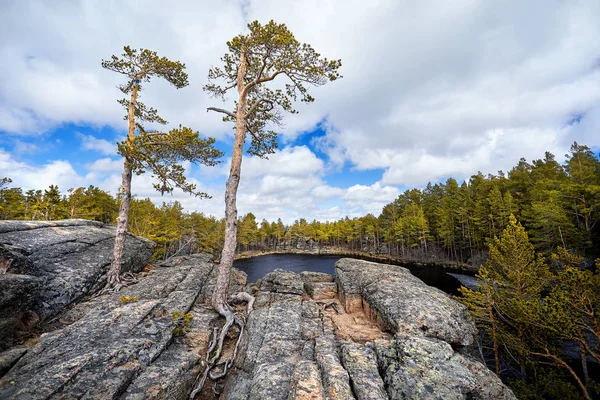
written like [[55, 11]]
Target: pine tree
[[143, 150], [255, 59], [583, 188], [511, 284]]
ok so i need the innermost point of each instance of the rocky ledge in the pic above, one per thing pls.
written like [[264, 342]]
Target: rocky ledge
[[46, 266], [371, 332]]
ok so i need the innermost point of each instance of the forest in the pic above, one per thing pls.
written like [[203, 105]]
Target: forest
[[558, 205]]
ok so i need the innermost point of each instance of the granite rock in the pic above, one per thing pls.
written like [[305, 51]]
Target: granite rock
[[119, 348], [402, 302], [416, 367]]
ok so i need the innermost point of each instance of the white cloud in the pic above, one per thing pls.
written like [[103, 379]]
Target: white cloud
[[105, 165], [58, 172], [326, 192], [21, 147], [427, 86], [430, 89], [289, 186], [370, 198], [102, 146]]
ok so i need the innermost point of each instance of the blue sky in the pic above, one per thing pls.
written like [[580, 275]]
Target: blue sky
[[430, 90]]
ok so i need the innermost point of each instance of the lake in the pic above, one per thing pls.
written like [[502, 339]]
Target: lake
[[258, 267]]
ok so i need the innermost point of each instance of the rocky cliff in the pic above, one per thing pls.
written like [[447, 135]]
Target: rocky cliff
[[372, 331]]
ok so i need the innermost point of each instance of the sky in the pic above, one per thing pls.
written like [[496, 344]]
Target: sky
[[431, 90]]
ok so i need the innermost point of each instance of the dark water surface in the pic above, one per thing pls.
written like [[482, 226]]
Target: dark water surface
[[258, 267]]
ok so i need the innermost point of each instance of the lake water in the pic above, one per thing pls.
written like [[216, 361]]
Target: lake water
[[258, 267]]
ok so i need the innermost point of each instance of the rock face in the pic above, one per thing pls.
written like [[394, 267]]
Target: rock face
[[402, 303], [375, 348], [46, 266], [365, 342], [319, 286], [124, 348], [423, 368]]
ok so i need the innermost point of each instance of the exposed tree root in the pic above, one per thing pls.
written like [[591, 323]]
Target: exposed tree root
[[331, 304], [243, 297], [215, 368], [114, 284]]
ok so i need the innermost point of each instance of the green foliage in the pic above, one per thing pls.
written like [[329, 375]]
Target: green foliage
[[182, 322], [129, 299], [583, 188], [548, 383], [572, 310], [92, 203], [248, 232], [510, 287], [144, 64], [161, 153], [266, 52], [529, 313]]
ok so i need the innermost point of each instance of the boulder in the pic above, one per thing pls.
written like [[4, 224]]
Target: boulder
[[281, 281], [401, 302]]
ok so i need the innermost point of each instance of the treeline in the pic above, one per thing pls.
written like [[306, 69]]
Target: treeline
[[173, 230], [558, 204]]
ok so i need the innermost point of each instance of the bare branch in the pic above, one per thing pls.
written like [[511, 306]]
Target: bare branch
[[263, 80], [232, 115]]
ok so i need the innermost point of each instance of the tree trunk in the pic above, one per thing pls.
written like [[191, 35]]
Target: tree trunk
[[495, 340], [219, 297], [584, 366], [113, 276], [566, 366]]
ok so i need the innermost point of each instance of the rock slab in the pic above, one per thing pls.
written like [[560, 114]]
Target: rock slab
[[122, 349], [417, 368], [401, 302], [47, 265]]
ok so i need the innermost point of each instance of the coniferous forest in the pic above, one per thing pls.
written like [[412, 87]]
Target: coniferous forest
[[558, 205]]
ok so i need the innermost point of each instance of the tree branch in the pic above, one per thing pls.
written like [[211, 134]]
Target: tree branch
[[226, 88], [255, 106], [252, 133], [258, 81], [232, 115]]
